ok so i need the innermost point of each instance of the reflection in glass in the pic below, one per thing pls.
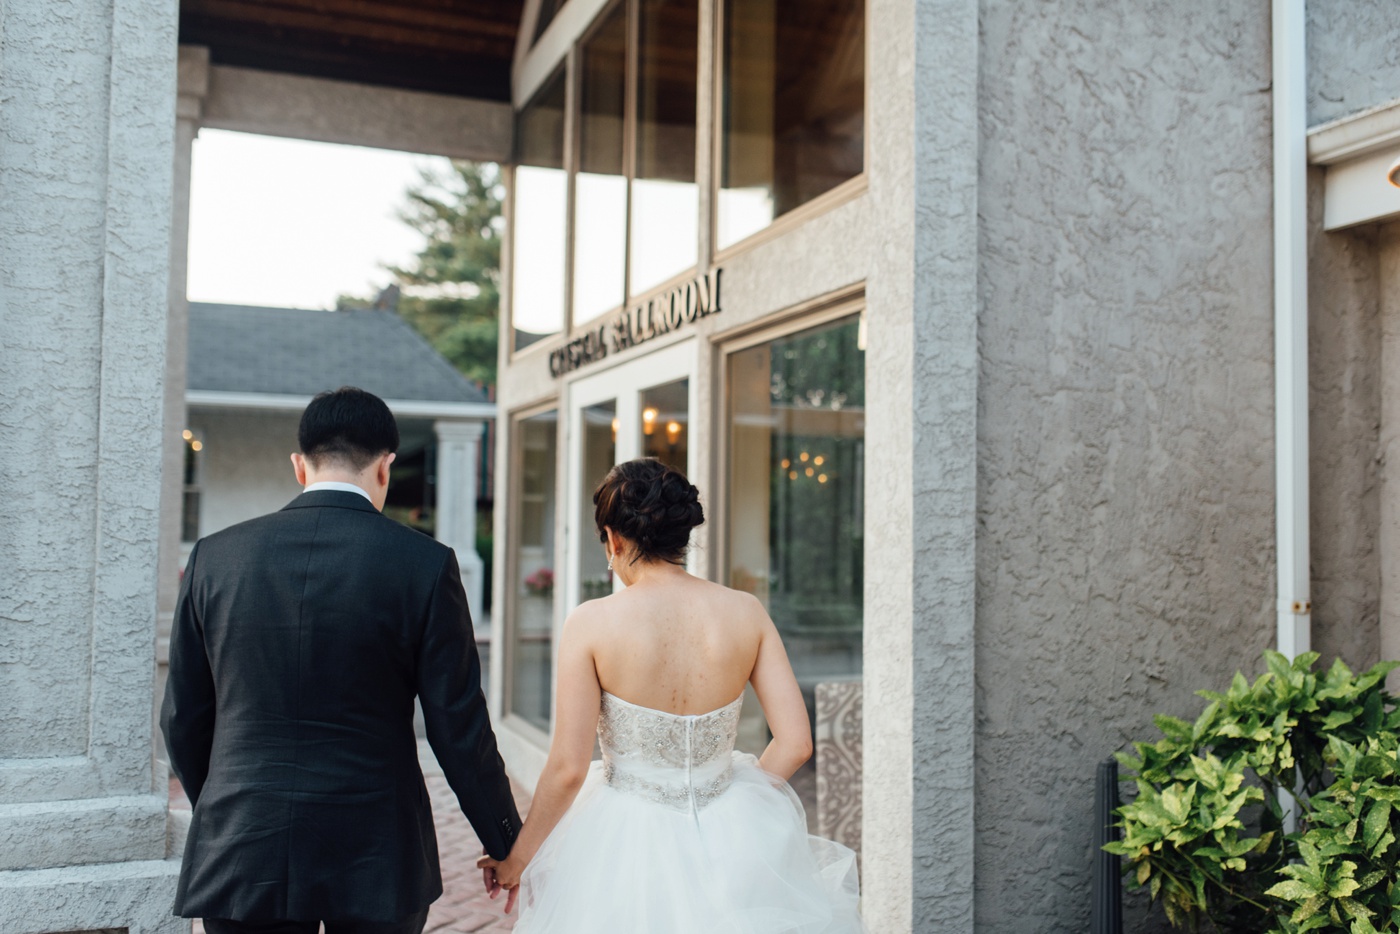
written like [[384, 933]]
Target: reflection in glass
[[532, 623], [666, 423], [599, 453], [795, 511], [793, 107], [665, 199], [540, 195], [600, 199]]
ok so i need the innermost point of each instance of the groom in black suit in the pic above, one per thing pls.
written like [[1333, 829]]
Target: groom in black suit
[[299, 642]]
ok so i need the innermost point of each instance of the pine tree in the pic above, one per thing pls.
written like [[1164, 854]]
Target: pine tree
[[450, 291]]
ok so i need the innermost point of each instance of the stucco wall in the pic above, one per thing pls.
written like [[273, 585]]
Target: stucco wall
[[1125, 412], [85, 171], [86, 150], [1353, 56], [1344, 361], [52, 233], [246, 469], [921, 586], [1388, 248]]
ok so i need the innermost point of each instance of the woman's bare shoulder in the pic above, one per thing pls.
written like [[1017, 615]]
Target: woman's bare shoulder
[[585, 620], [738, 605]]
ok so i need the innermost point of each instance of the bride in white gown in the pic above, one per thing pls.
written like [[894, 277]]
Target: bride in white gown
[[673, 831]]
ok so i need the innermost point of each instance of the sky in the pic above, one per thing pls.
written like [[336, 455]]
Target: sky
[[290, 223]]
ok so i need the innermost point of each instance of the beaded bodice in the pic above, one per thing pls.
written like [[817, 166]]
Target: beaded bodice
[[683, 761]]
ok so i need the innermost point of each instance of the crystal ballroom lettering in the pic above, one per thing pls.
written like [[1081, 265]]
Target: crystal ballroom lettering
[[661, 314]]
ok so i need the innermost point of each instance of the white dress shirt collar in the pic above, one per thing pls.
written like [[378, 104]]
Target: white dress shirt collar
[[337, 485]]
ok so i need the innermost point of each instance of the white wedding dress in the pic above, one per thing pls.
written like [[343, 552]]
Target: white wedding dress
[[676, 833]]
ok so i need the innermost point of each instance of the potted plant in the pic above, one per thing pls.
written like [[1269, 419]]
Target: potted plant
[[540, 583], [1206, 834]]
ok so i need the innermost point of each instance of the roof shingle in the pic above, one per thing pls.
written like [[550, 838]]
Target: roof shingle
[[291, 351]]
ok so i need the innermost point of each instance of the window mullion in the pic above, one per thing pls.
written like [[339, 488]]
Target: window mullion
[[629, 137]]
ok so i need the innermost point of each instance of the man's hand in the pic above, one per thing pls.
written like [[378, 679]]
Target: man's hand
[[501, 874]]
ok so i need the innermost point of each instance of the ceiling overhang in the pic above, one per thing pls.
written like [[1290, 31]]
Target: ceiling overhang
[[459, 47]]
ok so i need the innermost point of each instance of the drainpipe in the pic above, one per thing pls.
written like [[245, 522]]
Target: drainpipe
[[1291, 326]]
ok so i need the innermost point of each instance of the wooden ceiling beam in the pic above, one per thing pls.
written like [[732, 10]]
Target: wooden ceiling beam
[[241, 13], [362, 62], [330, 13]]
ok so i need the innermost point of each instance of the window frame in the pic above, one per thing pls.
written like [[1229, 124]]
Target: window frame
[[575, 148], [833, 306], [541, 346], [508, 599], [559, 49], [849, 190]]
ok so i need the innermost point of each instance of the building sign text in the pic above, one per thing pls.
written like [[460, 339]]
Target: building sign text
[[661, 314]]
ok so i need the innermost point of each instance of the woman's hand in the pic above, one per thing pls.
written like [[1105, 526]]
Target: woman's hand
[[502, 874]]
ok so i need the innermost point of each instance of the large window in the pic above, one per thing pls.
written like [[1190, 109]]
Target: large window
[[600, 188], [665, 199], [539, 206], [795, 514], [636, 204], [793, 107], [789, 130], [531, 632]]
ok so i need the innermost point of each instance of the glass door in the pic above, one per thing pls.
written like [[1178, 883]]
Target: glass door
[[638, 409]]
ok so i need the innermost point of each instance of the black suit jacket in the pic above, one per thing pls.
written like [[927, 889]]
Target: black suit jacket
[[299, 642]]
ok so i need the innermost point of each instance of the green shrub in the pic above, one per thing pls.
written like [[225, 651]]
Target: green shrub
[[1345, 879], [1205, 834]]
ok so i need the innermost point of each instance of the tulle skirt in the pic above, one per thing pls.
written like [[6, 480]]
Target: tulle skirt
[[619, 863]]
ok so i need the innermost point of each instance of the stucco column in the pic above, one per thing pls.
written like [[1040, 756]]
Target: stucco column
[[193, 87], [1390, 444], [921, 412], [456, 500], [86, 170]]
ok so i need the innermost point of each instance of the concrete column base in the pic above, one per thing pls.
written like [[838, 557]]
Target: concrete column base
[[92, 830], [133, 897]]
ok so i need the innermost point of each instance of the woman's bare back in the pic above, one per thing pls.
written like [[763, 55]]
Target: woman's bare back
[[681, 644]]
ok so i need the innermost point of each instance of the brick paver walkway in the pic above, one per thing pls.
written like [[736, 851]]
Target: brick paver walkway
[[463, 907]]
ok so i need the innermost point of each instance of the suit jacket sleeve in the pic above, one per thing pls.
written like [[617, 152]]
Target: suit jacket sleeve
[[454, 712], [187, 712]]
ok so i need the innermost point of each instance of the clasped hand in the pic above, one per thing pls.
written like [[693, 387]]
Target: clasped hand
[[501, 875]]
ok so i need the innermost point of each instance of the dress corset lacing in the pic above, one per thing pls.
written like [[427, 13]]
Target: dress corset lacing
[[680, 761]]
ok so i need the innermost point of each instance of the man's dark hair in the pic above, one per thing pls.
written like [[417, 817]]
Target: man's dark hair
[[349, 426]]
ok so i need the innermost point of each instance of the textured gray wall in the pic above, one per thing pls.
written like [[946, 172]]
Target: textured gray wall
[[52, 233], [1353, 56], [85, 177], [943, 403], [1344, 361], [1388, 250], [85, 202], [1125, 421], [921, 417]]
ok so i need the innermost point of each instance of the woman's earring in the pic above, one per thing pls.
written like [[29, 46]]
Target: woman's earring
[[610, 562]]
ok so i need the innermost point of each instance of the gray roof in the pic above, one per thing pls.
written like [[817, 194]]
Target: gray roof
[[295, 352]]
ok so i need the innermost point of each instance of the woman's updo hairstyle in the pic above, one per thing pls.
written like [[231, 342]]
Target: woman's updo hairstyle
[[650, 504]]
